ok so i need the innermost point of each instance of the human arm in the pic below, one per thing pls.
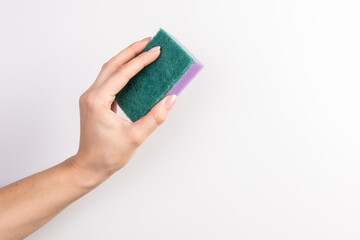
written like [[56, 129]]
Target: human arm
[[107, 143]]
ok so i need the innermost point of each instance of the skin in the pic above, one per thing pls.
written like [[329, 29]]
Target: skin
[[107, 143]]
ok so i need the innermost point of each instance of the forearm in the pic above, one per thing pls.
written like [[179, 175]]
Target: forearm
[[107, 143], [28, 204]]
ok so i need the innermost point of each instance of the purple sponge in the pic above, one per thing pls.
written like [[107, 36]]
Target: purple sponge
[[189, 74]]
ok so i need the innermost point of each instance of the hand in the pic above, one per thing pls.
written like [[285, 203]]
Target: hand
[[107, 141]]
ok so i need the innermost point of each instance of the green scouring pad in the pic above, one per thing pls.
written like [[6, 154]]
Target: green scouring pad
[[168, 74]]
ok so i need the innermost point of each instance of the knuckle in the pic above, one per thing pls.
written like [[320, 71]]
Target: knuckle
[[145, 59], [159, 118], [81, 99], [136, 138], [125, 72], [110, 65], [135, 47], [143, 62], [105, 66], [90, 100]]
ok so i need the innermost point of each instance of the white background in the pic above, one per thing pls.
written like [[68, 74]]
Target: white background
[[263, 144]]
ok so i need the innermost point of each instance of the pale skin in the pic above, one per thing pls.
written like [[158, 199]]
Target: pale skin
[[107, 143]]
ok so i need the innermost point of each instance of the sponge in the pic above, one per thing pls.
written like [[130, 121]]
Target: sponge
[[167, 75]]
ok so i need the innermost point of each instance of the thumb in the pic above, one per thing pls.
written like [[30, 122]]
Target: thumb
[[157, 115]]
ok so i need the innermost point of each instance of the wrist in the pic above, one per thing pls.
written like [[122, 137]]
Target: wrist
[[85, 177]]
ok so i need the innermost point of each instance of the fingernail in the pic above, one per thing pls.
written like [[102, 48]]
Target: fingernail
[[146, 39], [170, 101], [155, 49]]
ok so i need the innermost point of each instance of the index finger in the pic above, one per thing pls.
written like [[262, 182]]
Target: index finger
[[121, 76], [121, 58]]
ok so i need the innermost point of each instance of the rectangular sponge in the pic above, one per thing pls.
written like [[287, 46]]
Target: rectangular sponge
[[167, 75]]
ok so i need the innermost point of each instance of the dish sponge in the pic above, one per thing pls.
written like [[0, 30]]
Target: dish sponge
[[167, 75]]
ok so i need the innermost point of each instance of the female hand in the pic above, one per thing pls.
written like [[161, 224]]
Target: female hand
[[107, 141]]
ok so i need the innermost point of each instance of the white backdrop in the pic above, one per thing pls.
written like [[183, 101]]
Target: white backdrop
[[263, 144]]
